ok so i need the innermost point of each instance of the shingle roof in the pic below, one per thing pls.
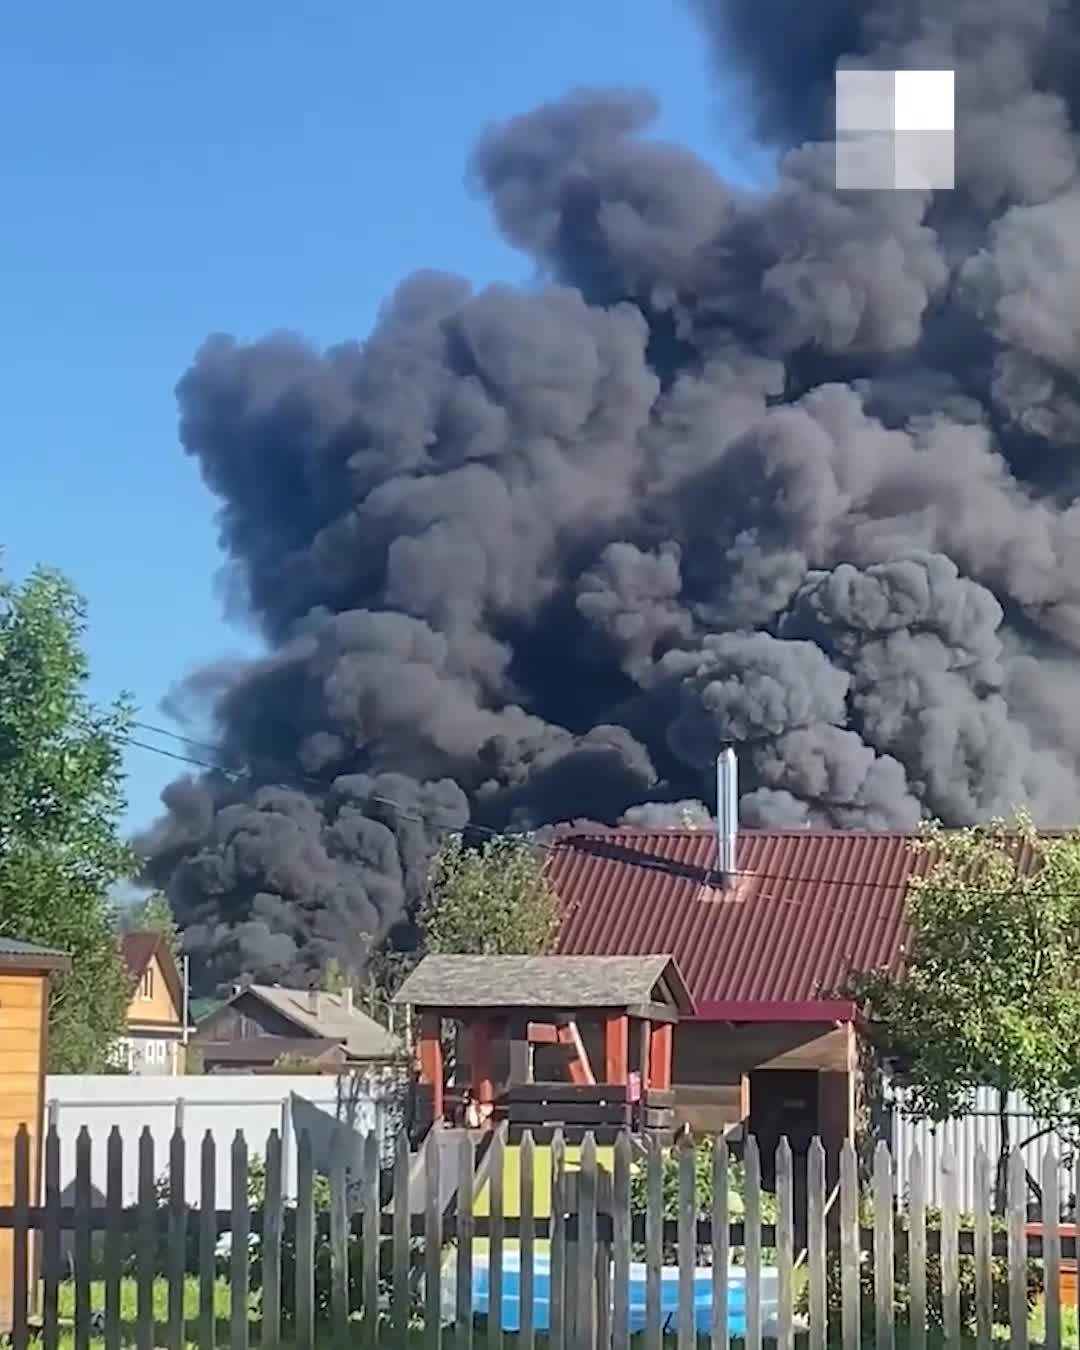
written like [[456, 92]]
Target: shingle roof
[[576, 981], [809, 907], [361, 1035], [13, 952]]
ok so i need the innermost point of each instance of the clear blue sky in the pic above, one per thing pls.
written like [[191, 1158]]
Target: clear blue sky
[[172, 169]]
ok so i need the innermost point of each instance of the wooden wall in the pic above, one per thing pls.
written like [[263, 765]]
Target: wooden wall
[[23, 1007], [159, 1007]]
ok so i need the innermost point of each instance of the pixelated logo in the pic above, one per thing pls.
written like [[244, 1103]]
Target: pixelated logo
[[895, 129]]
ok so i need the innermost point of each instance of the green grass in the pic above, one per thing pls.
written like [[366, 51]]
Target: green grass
[[222, 1309]]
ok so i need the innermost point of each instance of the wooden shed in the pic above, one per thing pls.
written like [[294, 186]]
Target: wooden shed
[[25, 971]]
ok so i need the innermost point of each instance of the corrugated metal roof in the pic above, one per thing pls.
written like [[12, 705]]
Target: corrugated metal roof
[[808, 907], [29, 954]]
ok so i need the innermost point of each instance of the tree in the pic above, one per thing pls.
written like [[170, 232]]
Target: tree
[[155, 915], [989, 992], [492, 900], [61, 797]]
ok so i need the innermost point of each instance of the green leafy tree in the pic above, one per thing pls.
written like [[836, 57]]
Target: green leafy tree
[[989, 992], [61, 797], [494, 900]]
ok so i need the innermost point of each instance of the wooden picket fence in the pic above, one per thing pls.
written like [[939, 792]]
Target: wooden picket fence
[[389, 1290]]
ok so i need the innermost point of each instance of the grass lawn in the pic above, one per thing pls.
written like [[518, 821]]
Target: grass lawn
[[416, 1339]]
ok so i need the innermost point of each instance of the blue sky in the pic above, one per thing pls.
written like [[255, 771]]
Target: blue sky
[[176, 169]]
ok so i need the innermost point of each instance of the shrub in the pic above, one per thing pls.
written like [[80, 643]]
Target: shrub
[[934, 1310]]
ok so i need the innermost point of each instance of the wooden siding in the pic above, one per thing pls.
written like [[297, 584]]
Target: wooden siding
[[22, 1028], [245, 1017], [157, 1007]]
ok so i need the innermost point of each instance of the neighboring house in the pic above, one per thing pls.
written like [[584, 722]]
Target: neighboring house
[[263, 1025], [154, 1043], [771, 1044], [25, 971]]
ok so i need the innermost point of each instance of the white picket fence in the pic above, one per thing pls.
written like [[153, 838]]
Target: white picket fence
[[253, 1103]]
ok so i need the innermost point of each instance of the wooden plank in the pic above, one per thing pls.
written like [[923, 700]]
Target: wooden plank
[[146, 1251], [950, 1251], [983, 1250], [583, 1093], [370, 1249], [687, 1240], [616, 1048], [1017, 1219], [339, 1238], [527, 1164], [432, 1242], [272, 1226], [752, 1222], [816, 1245], [208, 1237], [785, 1245], [884, 1263], [850, 1293], [721, 1251], [239, 1253], [83, 1202], [466, 1182], [557, 1275], [177, 1258], [621, 1252], [586, 1114], [51, 1270], [581, 1070], [20, 1245], [586, 1254], [1052, 1248], [654, 1253], [401, 1296], [917, 1249], [496, 1246], [305, 1242], [114, 1250]]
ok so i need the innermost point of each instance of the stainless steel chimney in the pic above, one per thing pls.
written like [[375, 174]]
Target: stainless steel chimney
[[727, 814]]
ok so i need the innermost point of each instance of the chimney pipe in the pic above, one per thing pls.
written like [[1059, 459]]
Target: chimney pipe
[[727, 814], [313, 1002], [347, 998]]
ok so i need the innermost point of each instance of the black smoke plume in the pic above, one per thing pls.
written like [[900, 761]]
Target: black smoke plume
[[796, 469]]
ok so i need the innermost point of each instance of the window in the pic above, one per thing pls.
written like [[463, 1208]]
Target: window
[[146, 984]]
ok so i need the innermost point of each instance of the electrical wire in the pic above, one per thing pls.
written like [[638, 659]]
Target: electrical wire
[[650, 860]]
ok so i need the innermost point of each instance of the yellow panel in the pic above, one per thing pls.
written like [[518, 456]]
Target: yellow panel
[[159, 1006]]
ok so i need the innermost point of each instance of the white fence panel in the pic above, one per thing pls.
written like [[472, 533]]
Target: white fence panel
[[963, 1137], [220, 1104]]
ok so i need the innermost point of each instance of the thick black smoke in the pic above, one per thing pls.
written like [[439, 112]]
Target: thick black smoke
[[793, 469]]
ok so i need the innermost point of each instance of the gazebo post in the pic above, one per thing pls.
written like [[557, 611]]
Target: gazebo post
[[483, 1089], [430, 1056], [660, 1057], [617, 1048]]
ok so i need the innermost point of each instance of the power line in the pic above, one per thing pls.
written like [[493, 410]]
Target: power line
[[650, 860]]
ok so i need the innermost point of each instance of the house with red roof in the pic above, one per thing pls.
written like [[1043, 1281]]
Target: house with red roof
[[765, 927]]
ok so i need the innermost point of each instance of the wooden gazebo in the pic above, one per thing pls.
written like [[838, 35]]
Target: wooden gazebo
[[575, 1042]]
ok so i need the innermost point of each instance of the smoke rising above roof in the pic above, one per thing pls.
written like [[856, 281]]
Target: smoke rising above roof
[[795, 470]]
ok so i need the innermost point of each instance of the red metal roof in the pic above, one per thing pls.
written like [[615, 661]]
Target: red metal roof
[[808, 908]]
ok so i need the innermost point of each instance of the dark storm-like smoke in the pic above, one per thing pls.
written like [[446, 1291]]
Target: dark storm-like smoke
[[795, 469]]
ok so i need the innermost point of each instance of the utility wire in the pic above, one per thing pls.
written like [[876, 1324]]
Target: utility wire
[[650, 860]]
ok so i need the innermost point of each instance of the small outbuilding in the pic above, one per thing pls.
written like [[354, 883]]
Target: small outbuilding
[[25, 972], [571, 1042]]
